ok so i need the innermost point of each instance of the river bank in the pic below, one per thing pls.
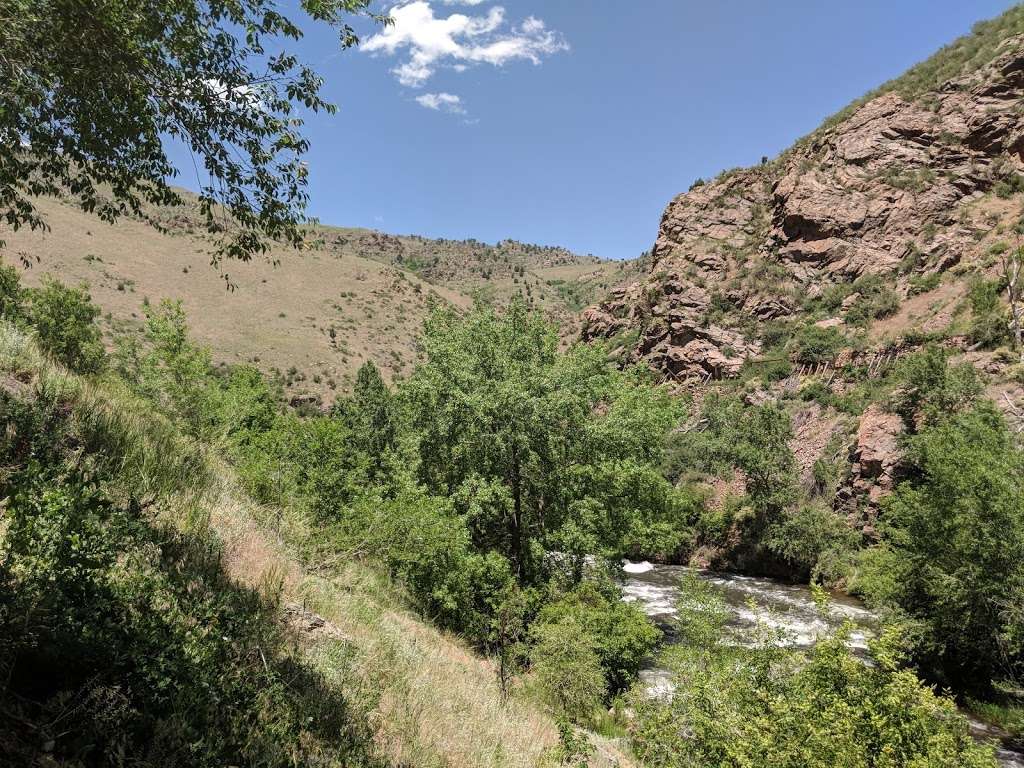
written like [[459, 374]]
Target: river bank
[[753, 600]]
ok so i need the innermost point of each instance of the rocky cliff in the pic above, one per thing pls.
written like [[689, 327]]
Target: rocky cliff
[[892, 195]]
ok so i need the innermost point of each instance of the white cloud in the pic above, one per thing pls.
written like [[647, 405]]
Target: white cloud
[[443, 102], [464, 2], [458, 40]]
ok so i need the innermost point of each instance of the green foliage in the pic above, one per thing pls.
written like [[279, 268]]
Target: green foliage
[[11, 296], [953, 548], [121, 637], [924, 283], [207, 83], [618, 632], [931, 387], [752, 439], [765, 458], [989, 318], [427, 547], [817, 345], [371, 414], [170, 370], [815, 541], [64, 320], [567, 668], [572, 443], [734, 706]]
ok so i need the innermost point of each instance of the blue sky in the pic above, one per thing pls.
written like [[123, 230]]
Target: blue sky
[[576, 121]]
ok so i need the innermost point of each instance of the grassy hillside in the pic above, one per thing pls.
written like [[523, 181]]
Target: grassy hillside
[[549, 278], [341, 672], [315, 318], [317, 315]]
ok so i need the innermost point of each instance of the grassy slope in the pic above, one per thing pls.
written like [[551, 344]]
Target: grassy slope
[[373, 289], [278, 316], [552, 279], [428, 699]]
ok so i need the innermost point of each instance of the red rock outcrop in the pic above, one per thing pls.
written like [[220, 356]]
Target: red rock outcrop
[[856, 198], [875, 460]]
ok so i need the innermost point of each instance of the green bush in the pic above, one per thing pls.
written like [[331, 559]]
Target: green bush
[[817, 345], [952, 558], [11, 295], [64, 320], [567, 669], [989, 318], [619, 633], [924, 283], [815, 541], [930, 388], [122, 637]]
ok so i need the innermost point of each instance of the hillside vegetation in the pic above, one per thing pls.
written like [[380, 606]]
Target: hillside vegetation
[[318, 314], [370, 507], [195, 574]]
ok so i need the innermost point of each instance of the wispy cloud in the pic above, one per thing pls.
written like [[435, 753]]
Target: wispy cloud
[[442, 102], [430, 42]]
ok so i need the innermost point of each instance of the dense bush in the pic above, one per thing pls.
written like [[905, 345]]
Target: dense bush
[[62, 318], [120, 637], [567, 669], [952, 559], [817, 345], [930, 388], [618, 632], [815, 540], [990, 325]]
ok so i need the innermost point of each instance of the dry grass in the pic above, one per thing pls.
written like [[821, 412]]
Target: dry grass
[[280, 317], [432, 701]]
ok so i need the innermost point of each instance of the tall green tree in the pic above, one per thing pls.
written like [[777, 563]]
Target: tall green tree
[[543, 451], [952, 559], [95, 91]]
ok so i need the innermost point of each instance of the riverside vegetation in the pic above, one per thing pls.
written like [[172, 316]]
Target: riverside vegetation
[[496, 487], [198, 570]]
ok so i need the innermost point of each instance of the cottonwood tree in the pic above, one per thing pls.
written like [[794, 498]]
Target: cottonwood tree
[[94, 91], [540, 451]]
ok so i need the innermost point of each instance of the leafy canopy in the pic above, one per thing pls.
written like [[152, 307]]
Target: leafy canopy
[[541, 450], [94, 92]]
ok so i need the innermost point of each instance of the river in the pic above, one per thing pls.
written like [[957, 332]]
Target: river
[[789, 607]]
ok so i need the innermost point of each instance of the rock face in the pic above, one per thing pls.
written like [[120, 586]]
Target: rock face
[[879, 193], [875, 459]]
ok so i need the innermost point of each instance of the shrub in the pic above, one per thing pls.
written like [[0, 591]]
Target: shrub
[[11, 294], [619, 633], [120, 637], [815, 541], [931, 388], [64, 320], [989, 322], [924, 283], [768, 705], [817, 345], [567, 669]]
